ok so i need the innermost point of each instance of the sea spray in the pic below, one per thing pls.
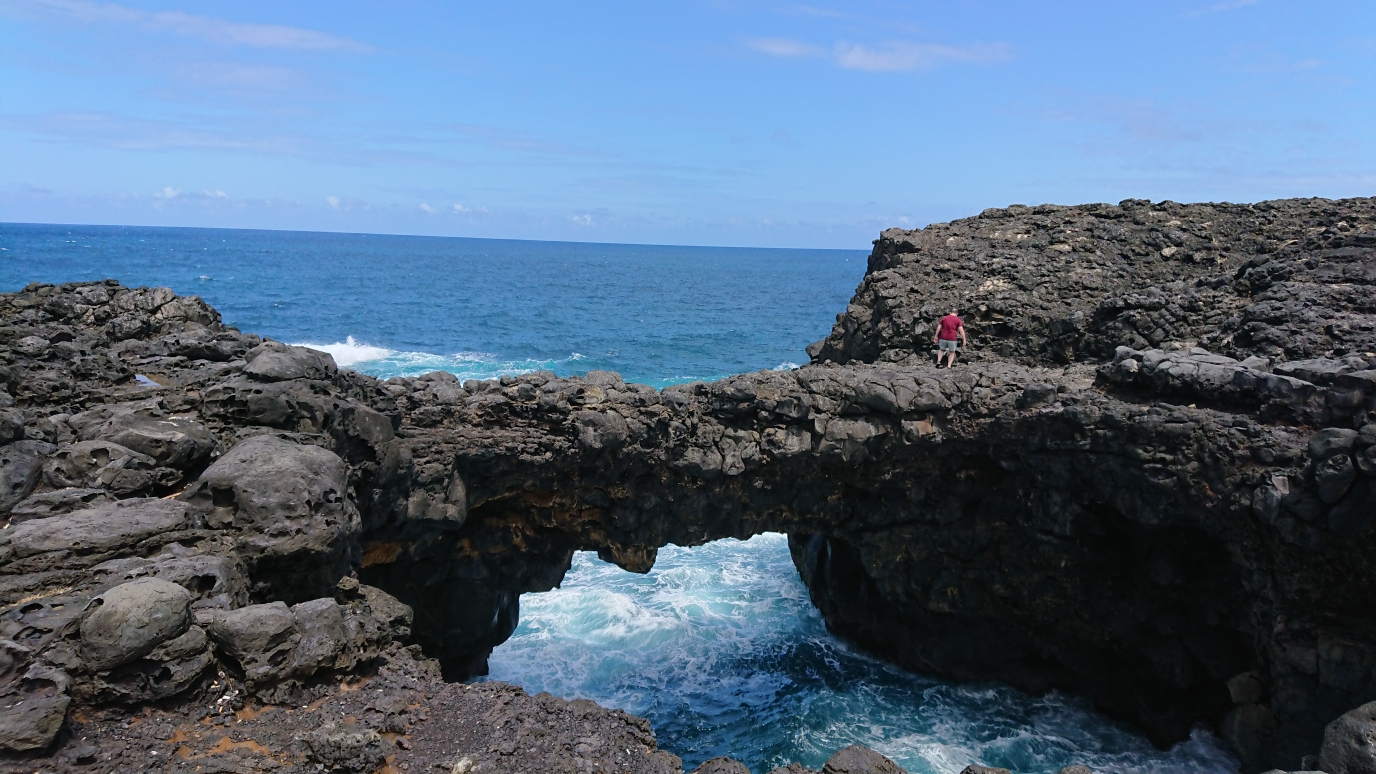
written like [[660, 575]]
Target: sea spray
[[720, 648]]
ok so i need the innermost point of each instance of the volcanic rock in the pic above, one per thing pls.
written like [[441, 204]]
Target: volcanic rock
[[858, 759], [1151, 480]]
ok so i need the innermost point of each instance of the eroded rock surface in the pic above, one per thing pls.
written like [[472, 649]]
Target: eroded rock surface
[[182, 532], [1152, 482]]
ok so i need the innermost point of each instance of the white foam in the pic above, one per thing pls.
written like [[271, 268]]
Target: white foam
[[786, 366], [351, 351], [726, 631]]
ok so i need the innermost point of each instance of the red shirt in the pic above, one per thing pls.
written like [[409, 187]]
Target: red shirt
[[950, 325]]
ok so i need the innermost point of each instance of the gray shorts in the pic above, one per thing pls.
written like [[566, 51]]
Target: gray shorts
[[947, 345]]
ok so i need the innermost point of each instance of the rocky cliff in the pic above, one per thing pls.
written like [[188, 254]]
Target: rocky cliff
[[1152, 481]]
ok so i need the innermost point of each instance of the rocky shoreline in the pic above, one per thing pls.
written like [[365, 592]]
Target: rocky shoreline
[[1152, 482]]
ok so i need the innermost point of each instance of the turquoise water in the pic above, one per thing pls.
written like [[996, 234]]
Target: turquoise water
[[721, 650], [718, 646]]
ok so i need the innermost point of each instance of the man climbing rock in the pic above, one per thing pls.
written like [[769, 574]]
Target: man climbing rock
[[947, 331]]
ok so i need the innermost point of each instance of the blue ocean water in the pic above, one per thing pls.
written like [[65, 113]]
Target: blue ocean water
[[718, 646], [399, 305]]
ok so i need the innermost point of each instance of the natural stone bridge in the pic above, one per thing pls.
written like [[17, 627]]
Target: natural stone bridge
[[1153, 484]]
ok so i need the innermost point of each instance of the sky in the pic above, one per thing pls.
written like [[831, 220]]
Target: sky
[[697, 122]]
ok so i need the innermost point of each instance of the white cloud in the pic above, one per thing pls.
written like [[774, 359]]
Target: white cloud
[[809, 10], [898, 56], [890, 56], [581, 220], [459, 208], [427, 209], [168, 192], [783, 47], [189, 25], [333, 201], [216, 194], [232, 135], [1227, 5]]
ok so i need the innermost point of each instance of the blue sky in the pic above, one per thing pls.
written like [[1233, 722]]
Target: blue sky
[[712, 122]]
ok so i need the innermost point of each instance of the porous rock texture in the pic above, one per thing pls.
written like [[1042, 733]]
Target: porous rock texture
[[1152, 481], [178, 560]]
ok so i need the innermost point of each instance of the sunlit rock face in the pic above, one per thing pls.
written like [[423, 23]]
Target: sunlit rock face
[[1151, 480]]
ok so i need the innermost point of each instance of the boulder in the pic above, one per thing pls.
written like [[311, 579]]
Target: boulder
[[20, 471], [197, 344], [37, 623], [1330, 442], [345, 748], [1349, 743], [858, 759], [171, 442], [106, 465], [130, 620], [273, 361], [287, 504], [323, 636], [11, 426], [41, 506], [260, 638], [32, 346], [1037, 394], [166, 671], [601, 429], [86, 537], [850, 439], [213, 581], [33, 701], [272, 643], [721, 765]]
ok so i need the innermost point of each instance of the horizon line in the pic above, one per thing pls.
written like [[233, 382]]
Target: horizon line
[[3, 224]]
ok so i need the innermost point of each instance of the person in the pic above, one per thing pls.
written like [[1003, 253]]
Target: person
[[947, 332]]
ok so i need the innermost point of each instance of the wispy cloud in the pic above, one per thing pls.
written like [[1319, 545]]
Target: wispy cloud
[[901, 56], [216, 134], [273, 36], [1226, 5], [811, 10], [889, 56], [783, 47]]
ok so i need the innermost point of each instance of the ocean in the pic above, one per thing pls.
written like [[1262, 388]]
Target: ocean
[[399, 305], [718, 646]]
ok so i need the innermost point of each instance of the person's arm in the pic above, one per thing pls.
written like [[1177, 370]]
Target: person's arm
[[964, 340], [936, 332]]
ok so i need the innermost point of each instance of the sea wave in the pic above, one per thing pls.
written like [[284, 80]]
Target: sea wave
[[385, 363], [720, 648], [351, 351]]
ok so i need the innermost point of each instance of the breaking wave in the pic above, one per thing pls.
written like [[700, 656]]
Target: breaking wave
[[385, 363], [721, 649]]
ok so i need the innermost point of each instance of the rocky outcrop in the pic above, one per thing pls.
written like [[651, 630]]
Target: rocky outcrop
[[139, 530], [1150, 482]]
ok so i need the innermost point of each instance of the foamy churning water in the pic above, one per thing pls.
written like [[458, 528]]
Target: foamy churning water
[[385, 363], [720, 648]]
